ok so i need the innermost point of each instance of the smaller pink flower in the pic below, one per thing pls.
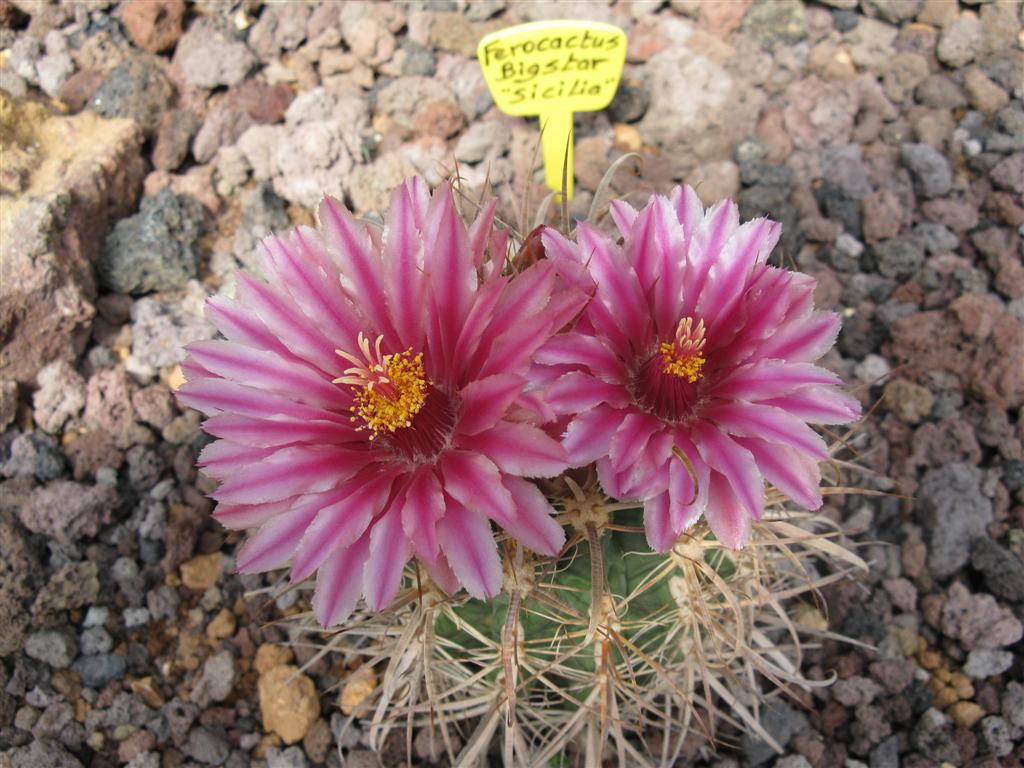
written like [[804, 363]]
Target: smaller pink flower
[[689, 378]]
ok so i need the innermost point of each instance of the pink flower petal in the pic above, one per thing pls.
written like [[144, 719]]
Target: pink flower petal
[[422, 507], [470, 550], [729, 522], [623, 214], [735, 463], [658, 524], [768, 423], [389, 551], [771, 378], [618, 286], [706, 244], [730, 272], [803, 341], [578, 392], [443, 576], [266, 371], [222, 459], [818, 404], [589, 434], [239, 517], [288, 324], [629, 440], [341, 523], [404, 260], [215, 395], [486, 400], [533, 523], [582, 349], [311, 279], [686, 505], [350, 243], [337, 592], [273, 545], [450, 270], [277, 431], [241, 325], [291, 471], [475, 482], [792, 472], [519, 449]]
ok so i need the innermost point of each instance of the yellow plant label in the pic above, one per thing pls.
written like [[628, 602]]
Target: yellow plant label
[[552, 69]]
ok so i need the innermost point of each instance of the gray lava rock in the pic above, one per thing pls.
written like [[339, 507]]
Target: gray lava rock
[[263, 212], [36, 454], [843, 167], [161, 329], [154, 250], [630, 103], [955, 512], [936, 238], [932, 174], [96, 671], [61, 396], [144, 467], [209, 56], [782, 722], [776, 22], [74, 585], [977, 620], [207, 745], [216, 680], [136, 89], [69, 511], [960, 40], [293, 757], [986, 662], [42, 752], [54, 647], [95, 640], [994, 737], [899, 258], [932, 737], [1003, 570], [886, 754]]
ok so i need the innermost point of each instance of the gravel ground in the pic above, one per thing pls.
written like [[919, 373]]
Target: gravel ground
[[149, 145]]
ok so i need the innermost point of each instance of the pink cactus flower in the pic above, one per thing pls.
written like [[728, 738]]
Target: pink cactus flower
[[690, 378], [370, 402]]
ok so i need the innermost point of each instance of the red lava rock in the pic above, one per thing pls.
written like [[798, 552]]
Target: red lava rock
[[173, 135], [883, 215], [976, 339], [153, 25], [92, 450], [79, 88], [771, 129], [722, 17], [439, 118], [958, 215]]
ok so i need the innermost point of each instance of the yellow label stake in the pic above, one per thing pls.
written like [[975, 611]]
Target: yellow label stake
[[553, 69]]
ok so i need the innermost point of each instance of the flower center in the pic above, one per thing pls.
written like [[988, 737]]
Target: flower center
[[667, 383], [400, 407], [389, 389], [683, 356]]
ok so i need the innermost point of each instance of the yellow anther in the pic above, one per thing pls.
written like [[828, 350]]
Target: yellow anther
[[389, 389], [684, 356]]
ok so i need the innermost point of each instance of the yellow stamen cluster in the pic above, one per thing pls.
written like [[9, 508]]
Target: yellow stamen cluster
[[684, 356], [389, 389]]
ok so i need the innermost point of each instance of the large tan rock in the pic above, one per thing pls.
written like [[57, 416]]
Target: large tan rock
[[288, 702], [65, 180]]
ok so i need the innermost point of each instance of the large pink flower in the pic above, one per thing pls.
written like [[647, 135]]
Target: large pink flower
[[690, 376], [370, 402]]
